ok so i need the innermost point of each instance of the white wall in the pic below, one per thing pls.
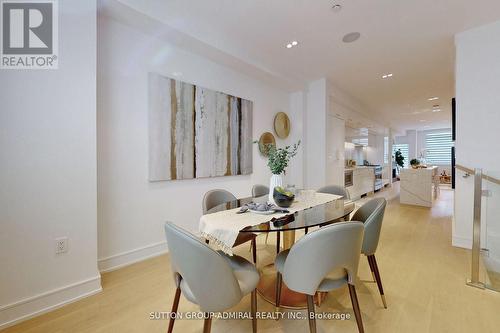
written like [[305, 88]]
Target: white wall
[[48, 173], [131, 210], [335, 150], [478, 118], [315, 133]]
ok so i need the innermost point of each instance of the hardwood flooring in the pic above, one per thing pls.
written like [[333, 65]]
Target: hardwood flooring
[[423, 278]]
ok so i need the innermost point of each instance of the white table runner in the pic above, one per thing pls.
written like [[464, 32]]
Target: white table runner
[[222, 228]]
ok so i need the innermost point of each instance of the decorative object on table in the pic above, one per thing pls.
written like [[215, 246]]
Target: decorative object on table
[[278, 159], [282, 125], [445, 178], [283, 198], [266, 141], [399, 158], [414, 163], [291, 188], [196, 132], [261, 208], [282, 221], [422, 158]]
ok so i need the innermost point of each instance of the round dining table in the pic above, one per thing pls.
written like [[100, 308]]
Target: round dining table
[[316, 216]]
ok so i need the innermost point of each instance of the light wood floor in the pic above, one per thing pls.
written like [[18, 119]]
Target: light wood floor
[[423, 277]]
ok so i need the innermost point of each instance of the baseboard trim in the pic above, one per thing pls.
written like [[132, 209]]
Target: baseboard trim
[[123, 259], [27, 308], [465, 243]]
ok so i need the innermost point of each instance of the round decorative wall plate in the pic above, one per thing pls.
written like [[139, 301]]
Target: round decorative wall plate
[[265, 140], [282, 125]]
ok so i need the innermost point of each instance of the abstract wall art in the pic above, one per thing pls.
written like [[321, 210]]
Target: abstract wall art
[[196, 132]]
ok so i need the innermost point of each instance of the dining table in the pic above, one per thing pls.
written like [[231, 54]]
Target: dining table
[[287, 225]]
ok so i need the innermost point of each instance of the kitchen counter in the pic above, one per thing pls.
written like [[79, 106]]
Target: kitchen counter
[[417, 186], [363, 181], [360, 167]]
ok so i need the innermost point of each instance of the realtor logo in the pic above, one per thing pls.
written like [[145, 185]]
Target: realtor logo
[[29, 34]]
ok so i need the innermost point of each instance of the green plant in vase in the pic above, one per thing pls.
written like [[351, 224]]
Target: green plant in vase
[[278, 160]]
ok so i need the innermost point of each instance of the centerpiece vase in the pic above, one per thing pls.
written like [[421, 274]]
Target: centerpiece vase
[[276, 180]]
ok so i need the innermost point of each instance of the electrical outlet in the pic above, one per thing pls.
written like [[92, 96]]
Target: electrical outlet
[[61, 245]]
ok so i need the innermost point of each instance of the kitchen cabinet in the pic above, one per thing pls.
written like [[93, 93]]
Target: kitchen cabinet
[[363, 182]]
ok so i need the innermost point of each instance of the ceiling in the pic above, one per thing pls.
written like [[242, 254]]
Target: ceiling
[[413, 40]]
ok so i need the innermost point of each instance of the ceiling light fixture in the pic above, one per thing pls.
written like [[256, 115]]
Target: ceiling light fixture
[[386, 76], [433, 98], [336, 7], [292, 44], [351, 37], [436, 110]]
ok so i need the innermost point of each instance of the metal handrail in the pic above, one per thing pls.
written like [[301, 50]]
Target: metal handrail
[[483, 176]]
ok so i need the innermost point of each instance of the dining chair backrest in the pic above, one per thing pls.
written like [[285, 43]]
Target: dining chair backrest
[[372, 215], [208, 275], [335, 189], [259, 190], [321, 252], [216, 197]]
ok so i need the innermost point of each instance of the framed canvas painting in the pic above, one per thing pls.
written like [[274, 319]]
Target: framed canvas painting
[[196, 132]]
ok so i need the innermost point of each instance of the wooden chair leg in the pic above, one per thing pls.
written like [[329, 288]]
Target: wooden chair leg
[[355, 307], [370, 262], [311, 313], [279, 283], [254, 250], [175, 305], [254, 311], [379, 280], [207, 324], [278, 241]]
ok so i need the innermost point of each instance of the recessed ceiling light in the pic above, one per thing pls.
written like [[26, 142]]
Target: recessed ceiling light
[[436, 110], [351, 37], [433, 98], [422, 120], [386, 76], [292, 44], [336, 8]]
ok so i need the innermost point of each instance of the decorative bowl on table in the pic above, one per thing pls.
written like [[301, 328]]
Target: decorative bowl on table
[[283, 198]]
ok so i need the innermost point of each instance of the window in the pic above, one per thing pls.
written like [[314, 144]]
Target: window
[[386, 149], [360, 141], [404, 150], [438, 148]]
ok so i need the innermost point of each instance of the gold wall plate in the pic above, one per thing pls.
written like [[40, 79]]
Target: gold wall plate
[[266, 138], [282, 125]]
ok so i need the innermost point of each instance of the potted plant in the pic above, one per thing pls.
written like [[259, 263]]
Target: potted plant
[[414, 163], [278, 159], [400, 159]]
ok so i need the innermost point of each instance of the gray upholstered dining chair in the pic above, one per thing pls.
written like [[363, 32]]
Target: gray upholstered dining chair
[[217, 197], [335, 189], [372, 215], [259, 190], [321, 261], [214, 281]]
